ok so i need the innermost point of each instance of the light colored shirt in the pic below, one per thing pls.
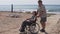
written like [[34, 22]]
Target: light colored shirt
[[40, 9]]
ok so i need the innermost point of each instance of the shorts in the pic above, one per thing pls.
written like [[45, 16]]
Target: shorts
[[43, 19]]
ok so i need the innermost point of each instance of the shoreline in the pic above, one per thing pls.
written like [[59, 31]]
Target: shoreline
[[18, 13], [31, 12]]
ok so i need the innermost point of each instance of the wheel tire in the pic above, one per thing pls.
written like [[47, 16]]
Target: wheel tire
[[37, 25]]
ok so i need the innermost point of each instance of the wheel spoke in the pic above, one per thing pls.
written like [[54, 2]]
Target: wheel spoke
[[34, 29]]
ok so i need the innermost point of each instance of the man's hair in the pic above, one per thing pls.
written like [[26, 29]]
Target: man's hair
[[39, 1]]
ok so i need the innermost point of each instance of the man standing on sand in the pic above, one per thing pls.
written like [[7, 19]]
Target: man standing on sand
[[42, 14]]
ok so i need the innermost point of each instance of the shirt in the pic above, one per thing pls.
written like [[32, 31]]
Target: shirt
[[40, 9]]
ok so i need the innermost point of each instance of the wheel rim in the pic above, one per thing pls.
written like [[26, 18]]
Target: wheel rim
[[34, 29]]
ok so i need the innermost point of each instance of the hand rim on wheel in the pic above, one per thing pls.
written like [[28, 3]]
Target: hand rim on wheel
[[35, 26]]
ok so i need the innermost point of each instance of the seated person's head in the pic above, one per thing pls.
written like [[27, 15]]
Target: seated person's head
[[34, 13]]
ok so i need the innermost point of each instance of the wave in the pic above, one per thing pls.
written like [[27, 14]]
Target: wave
[[55, 10]]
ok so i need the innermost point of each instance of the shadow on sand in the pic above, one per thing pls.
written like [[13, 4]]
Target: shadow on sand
[[46, 33], [33, 33]]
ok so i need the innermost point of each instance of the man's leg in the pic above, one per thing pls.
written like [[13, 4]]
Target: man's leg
[[43, 24]]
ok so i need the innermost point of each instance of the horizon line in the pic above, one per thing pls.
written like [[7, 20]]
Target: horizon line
[[36, 4]]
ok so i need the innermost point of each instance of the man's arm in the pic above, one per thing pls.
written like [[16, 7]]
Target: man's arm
[[37, 13]]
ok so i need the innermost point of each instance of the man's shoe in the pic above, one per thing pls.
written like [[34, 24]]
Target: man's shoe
[[42, 30], [22, 33]]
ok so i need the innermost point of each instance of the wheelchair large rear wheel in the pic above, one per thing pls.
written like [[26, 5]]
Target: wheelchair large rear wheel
[[34, 28]]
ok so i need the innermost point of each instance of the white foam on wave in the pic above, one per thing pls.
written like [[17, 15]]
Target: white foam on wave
[[54, 12], [31, 10]]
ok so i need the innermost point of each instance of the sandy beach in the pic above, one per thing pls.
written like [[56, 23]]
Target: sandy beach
[[11, 25]]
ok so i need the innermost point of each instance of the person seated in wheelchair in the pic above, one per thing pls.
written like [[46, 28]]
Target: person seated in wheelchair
[[29, 21]]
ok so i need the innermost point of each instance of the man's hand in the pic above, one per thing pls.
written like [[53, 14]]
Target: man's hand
[[37, 16]]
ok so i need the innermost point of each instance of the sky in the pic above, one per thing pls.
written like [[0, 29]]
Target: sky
[[29, 2]]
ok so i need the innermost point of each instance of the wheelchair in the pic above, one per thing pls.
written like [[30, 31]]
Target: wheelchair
[[32, 29]]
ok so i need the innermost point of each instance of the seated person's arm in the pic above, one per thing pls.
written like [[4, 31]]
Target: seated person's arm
[[27, 19], [34, 19]]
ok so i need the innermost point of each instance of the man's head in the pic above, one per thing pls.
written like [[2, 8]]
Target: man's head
[[39, 3]]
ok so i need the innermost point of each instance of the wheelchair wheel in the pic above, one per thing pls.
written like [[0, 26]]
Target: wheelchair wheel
[[27, 30], [34, 28]]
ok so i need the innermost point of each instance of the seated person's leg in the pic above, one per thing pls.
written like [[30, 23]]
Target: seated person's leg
[[24, 24], [33, 23]]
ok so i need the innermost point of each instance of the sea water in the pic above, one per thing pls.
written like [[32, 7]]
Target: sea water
[[49, 8]]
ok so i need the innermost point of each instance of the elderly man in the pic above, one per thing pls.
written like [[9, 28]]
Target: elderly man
[[42, 14]]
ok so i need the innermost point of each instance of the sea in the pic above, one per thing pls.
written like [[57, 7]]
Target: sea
[[23, 8]]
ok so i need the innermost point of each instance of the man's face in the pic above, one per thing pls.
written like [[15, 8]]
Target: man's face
[[39, 3]]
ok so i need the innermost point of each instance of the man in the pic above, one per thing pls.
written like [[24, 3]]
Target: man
[[42, 14]]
